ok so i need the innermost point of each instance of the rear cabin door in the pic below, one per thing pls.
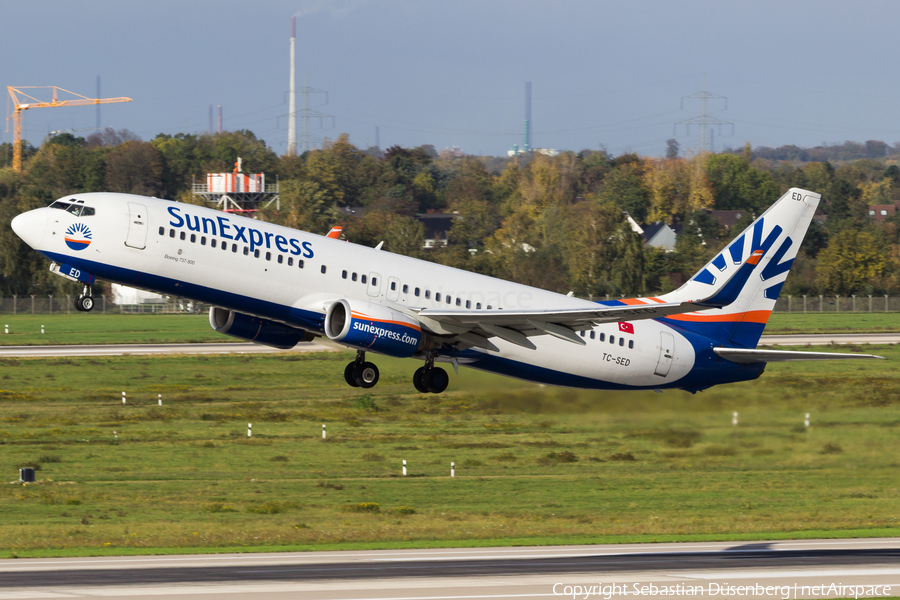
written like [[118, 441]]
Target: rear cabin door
[[666, 353], [137, 226]]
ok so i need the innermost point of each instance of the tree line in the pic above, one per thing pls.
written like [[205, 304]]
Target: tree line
[[557, 223]]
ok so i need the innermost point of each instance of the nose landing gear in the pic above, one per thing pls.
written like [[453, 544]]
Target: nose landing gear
[[85, 302], [430, 379], [360, 373]]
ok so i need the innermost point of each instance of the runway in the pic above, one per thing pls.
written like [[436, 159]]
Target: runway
[[250, 348], [145, 349], [784, 568]]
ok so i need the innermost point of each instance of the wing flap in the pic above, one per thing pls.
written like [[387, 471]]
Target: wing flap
[[746, 356]]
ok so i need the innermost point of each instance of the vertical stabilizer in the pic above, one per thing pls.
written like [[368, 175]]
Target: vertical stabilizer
[[774, 238]]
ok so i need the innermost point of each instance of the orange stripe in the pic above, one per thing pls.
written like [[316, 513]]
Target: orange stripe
[[632, 301], [754, 258], [752, 316], [658, 300], [360, 315]]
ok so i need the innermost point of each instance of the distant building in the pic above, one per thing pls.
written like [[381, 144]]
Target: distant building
[[880, 212], [728, 218], [452, 152], [437, 228], [660, 235]]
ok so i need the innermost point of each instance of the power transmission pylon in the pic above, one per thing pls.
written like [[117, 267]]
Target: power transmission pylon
[[20, 107], [704, 120], [306, 113]]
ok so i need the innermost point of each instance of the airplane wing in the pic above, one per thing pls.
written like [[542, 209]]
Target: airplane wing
[[744, 356], [474, 327]]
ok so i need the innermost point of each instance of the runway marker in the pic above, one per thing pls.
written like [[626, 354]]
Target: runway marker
[[42, 329], [323, 431], [123, 397], [404, 467], [734, 419], [249, 427], [452, 471], [6, 328], [806, 421], [159, 399]]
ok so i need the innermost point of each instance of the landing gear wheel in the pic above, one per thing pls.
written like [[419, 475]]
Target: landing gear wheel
[[436, 380], [366, 375], [79, 306], [348, 375], [87, 303], [418, 382]]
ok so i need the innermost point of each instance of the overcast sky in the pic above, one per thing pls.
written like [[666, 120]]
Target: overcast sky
[[452, 73]]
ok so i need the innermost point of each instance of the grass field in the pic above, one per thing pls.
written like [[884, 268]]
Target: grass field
[[534, 465], [142, 329]]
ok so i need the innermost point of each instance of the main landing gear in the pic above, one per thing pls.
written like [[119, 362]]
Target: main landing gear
[[85, 302], [360, 373], [430, 379]]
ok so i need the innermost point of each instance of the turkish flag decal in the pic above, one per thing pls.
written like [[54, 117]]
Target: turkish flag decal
[[626, 327]]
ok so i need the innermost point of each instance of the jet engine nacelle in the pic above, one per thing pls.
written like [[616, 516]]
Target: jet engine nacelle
[[374, 327], [254, 329]]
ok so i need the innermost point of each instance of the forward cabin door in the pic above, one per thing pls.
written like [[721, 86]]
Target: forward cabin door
[[666, 353], [374, 285], [137, 226]]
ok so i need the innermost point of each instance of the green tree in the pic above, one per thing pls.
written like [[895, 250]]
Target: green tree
[[853, 259], [737, 185]]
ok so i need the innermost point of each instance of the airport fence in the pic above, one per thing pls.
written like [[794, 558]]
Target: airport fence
[[52, 305]]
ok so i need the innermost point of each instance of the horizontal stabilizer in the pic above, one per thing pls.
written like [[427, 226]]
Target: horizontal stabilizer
[[746, 357]]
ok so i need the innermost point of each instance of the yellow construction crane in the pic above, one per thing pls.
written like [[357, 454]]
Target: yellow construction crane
[[22, 101]]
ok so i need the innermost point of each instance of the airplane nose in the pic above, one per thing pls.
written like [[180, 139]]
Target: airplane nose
[[30, 226]]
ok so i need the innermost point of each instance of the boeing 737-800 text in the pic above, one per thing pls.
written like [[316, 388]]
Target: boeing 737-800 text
[[277, 286]]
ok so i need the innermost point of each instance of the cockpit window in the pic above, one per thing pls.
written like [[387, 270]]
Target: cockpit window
[[76, 209]]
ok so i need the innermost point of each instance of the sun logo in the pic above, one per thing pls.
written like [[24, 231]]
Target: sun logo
[[78, 236]]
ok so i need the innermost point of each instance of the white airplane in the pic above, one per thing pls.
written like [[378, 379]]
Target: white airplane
[[277, 286]]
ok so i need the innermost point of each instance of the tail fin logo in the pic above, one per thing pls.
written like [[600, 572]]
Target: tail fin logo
[[762, 245], [78, 236]]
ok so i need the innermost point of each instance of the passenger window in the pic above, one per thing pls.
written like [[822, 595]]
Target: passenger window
[[592, 335], [256, 253], [182, 235], [203, 240], [405, 289], [427, 294], [449, 300], [458, 302], [489, 307], [194, 239], [374, 281], [323, 269], [393, 286], [437, 297], [246, 251], [362, 278], [630, 344], [353, 277], [290, 261], [234, 247], [344, 274], [468, 304], [224, 246], [280, 259], [612, 339], [162, 231], [602, 337], [171, 233], [212, 242], [621, 341], [581, 333], [300, 262], [416, 292], [478, 306], [268, 256]]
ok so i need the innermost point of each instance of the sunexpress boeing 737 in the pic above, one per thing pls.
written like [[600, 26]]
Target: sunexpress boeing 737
[[277, 286]]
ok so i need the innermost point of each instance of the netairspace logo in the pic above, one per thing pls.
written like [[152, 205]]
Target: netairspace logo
[[78, 236], [783, 592]]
